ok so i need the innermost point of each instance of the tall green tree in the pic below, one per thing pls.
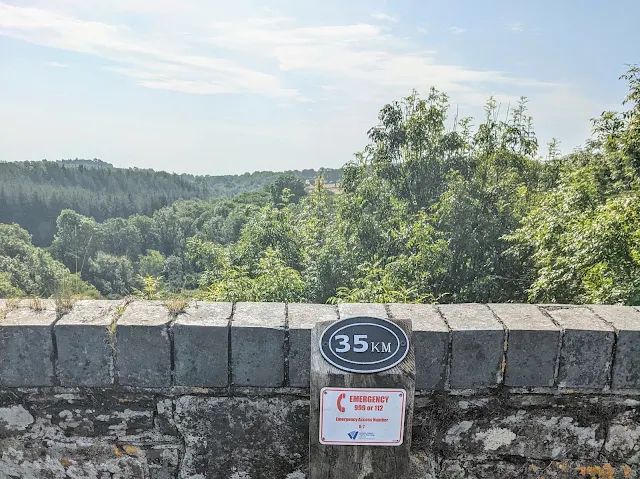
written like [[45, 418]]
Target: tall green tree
[[290, 183], [28, 270], [112, 275], [582, 240]]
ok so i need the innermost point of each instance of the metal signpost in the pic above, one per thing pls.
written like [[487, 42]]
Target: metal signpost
[[362, 388]]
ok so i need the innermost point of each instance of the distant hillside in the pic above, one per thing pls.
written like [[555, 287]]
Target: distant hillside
[[95, 163], [232, 185], [33, 193]]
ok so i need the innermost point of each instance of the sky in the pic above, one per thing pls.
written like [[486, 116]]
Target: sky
[[209, 87]]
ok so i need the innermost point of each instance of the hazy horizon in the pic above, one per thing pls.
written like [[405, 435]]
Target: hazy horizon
[[172, 171]]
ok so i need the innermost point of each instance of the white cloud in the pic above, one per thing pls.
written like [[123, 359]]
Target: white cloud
[[456, 30], [516, 27], [384, 17], [362, 61], [422, 30], [250, 55], [56, 65], [157, 63]]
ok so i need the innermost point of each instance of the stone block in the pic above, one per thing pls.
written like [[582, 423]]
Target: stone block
[[532, 346], [60, 459], [84, 350], [587, 348], [143, 349], [257, 344], [477, 345], [430, 341], [302, 317], [26, 346], [348, 310], [524, 468], [626, 321], [623, 437], [201, 345], [243, 438], [518, 426]]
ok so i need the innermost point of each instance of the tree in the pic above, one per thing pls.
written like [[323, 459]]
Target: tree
[[112, 275], [120, 237], [582, 241], [327, 260], [27, 269], [174, 273], [76, 240], [7, 289], [151, 264], [294, 185], [269, 228], [462, 190], [274, 281]]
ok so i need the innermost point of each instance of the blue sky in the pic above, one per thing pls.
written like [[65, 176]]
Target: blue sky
[[227, 87]]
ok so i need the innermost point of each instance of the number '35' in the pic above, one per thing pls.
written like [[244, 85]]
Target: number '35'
[[360, 344]]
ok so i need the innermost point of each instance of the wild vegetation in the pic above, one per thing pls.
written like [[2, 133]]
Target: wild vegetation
[[428, 213], [34, 193]]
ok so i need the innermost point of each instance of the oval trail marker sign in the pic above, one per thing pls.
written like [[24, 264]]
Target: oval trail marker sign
[[364, 344]]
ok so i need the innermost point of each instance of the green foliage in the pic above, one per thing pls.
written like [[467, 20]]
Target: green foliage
[[429, 213], [269, 228], [8, 290], [414, 276], [274, 281], [151, 264], [328, 261], [112, 275], [28, 270], [34, 193], [174, 273], [234, 284], [454, 193], [379, 285], [151, 287], [289, 183], [582, 240], [76, 240], [72, 286]]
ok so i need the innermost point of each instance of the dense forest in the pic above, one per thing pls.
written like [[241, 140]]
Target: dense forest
[[428, 213], [34, 193]]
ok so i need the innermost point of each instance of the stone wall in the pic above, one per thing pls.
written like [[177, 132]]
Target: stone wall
[[128, 390]]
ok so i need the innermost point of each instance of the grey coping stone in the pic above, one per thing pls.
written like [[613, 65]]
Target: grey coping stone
[[532, 347], [626, 321], [26, 346], [257, 344], [201, 345], [84, 349], [587, 347], [477, 345], [143, 348], [302, 318], [430, 341], [348, 310]]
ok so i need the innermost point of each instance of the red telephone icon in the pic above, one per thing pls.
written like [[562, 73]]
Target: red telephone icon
[[339, 402]]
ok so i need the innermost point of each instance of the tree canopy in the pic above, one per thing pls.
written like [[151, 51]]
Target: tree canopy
[[433, 209]]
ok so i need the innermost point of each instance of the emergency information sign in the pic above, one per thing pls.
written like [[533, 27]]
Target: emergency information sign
[[362, 416]]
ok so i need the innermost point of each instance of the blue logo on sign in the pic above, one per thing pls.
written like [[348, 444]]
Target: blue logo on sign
[[353, 434]]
